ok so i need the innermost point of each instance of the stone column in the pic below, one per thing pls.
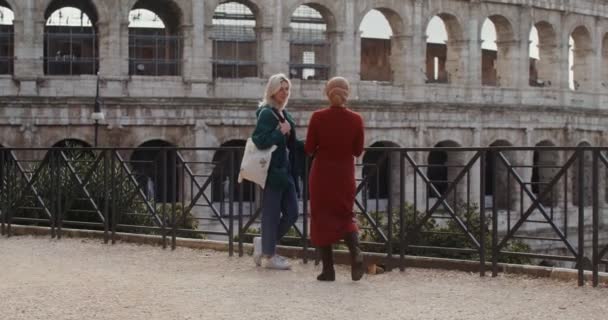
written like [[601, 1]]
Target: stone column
[[198, 59], [398, 58], [511, 69], [266, 66], [415, 50], [346, 61], [110, 58], [471, 48], [475, 174], [188, 63]]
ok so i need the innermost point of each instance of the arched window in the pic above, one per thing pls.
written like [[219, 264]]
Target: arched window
[[222, 175], [443, 34], [497, 172], [70, 38], [235, 47], [443, 167], [149, 167], [496, 51], [543, 170], [543, 55], [155, 43], [309, 48], [587, 177], [581, 53], [6, 38], [376, 45]]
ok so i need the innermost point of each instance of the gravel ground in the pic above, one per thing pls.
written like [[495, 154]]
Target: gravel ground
[[84, 279]]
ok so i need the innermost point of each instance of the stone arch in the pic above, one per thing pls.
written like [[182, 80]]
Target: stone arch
[[380, 58], [71, 48], [170, 12], [587, 177], [543, 170], [543, 70], [311, 49], [326, 10], [149, 169], [236, 39], [442, 167], [497, 65], [380, 178], [582, 56], [223, 174], [497, 172], [166, 42], [446, 60]]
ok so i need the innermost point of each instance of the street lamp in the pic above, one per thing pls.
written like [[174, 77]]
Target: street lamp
[[97, 115]]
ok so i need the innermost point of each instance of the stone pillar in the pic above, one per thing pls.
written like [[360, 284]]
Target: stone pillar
[[511, 69], [583, 69], [124, 48], [415, 51], [277, 58], [187, 48], [266, 67], [110, 58], [548, 67], [526, 173], [346, 56], [520, 72], [475, 173], [471, 48], [198, 59], [398, 58]]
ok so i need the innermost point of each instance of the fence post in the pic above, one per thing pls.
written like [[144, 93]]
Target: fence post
[[595, 218], [106, 195], [231, 205], [482, 208], [580, 153], [305, 208], [164, 197], [389, 213], [401, 211], [173, 166]]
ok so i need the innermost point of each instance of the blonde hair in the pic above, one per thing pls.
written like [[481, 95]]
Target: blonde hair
[[337, 90], [272, 87]]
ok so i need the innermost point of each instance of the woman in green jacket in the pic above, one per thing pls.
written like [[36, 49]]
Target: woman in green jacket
[[275, 126]]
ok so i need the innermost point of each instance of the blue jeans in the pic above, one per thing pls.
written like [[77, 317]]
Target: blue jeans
[[275, 225]]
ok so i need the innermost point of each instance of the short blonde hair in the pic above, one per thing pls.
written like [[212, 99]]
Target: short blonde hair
[[272, 87]]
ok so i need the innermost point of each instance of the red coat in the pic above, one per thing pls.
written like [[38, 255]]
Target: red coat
[[335, 136]]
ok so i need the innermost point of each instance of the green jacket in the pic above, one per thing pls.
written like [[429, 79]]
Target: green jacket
[[267, 134]]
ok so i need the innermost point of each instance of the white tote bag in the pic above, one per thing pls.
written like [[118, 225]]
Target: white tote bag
[[254, 166]]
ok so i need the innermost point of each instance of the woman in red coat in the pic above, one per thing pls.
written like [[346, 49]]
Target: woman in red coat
[[335, 137]]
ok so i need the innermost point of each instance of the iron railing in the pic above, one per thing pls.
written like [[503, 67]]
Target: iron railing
[[510, 204]]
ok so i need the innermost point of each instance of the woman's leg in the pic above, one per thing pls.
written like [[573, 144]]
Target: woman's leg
[[271, 212], [327, 256], [289, 207], [356, 258]]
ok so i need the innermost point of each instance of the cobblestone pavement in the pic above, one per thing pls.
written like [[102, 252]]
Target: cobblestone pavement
[[42, 278]]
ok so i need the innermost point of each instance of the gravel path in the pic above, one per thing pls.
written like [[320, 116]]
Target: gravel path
[[84, 279]]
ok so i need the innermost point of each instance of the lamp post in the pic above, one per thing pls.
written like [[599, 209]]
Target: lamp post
[[97, 115]]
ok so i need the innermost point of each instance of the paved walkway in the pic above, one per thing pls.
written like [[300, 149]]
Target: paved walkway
[[84, 279]]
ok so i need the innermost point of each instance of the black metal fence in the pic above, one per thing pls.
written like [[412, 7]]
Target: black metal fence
[[536, 205]]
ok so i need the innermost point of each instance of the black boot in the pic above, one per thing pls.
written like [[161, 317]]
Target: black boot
[[327, 256], [356, 258]]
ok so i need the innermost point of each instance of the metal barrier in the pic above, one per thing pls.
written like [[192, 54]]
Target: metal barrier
[[486, 204]]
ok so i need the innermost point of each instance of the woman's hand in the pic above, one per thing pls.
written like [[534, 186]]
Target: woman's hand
[[285, 127]]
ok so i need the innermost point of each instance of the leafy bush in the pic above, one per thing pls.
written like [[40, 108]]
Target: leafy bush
[[448, 235]]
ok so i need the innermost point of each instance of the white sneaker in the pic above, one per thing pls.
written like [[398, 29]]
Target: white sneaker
[[257, 251], [275, 262]]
